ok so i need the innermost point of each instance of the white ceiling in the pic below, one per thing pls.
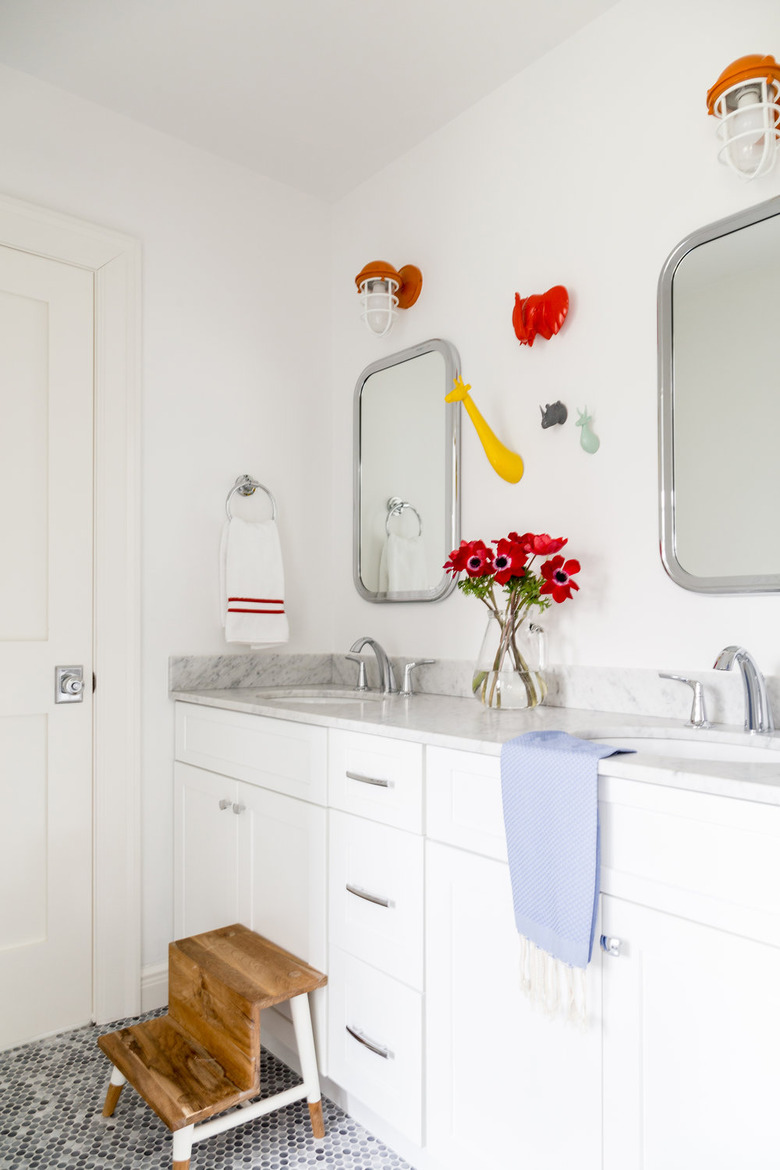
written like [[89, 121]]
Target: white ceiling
[[318, 94]]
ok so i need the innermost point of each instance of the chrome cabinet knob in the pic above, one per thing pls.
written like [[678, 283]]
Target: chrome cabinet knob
[[224, 804], [611, 946]]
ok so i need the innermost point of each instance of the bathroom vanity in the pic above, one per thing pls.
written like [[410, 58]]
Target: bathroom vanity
[[367, 837]]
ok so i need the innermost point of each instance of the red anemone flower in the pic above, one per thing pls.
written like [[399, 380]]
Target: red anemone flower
[[473, 557], [541, 545], [509, 560], [558, 578]]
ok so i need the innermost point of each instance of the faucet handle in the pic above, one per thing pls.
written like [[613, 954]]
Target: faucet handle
[[698, 711], [361, 684], [406, 691]]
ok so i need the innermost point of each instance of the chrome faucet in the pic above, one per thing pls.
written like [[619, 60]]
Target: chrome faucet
[[386, 675], [758, 713]]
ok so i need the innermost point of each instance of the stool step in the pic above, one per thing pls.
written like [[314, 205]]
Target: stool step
[[175, 1075], [255, 968]]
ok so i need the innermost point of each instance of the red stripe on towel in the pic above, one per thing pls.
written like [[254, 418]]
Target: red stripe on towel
[[264, 600], [232, 609]]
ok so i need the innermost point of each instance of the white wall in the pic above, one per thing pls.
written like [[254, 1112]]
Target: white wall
[[586, 170], [230, 384]]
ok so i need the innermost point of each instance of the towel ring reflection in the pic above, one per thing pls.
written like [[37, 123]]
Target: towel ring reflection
[[245, 485], [396, 507]]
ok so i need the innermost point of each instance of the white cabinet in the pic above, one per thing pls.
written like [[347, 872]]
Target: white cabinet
[[427, 1027], [691, 1001], [691, 1038], [251, 854], [376, 925], [505, 1085]]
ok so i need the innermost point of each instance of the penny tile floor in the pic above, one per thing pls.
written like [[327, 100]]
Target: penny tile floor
[[51, 1097]]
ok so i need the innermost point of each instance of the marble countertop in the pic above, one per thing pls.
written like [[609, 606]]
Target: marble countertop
[[464, 724]]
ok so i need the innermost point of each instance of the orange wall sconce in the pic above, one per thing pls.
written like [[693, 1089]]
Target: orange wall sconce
[[383, 290], [543, 313], [744, 100]]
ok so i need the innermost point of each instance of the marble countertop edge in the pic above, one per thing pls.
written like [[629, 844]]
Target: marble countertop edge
[[463, 724]]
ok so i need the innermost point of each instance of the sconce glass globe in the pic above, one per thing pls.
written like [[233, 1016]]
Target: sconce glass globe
[[380, 302]]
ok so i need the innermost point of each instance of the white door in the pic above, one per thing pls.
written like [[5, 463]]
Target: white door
[[691, 1039], [46, 507]]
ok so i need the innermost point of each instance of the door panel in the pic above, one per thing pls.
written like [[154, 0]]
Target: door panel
[[46, 460], [691, 1035]]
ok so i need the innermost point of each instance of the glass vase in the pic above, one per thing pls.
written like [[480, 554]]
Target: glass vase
[[510, 668]]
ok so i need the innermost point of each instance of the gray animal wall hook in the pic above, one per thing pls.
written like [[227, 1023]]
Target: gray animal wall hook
[[554, 415]]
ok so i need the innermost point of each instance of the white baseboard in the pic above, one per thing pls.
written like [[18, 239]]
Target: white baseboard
[[154, 987]]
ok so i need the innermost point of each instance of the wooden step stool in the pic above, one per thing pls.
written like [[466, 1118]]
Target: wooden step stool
[[203, 1057]]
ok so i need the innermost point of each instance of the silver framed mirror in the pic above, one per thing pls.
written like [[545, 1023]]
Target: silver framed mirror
[[719, 405], [406, 464]]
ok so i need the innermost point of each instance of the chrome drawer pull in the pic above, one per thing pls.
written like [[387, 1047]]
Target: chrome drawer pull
[[388, 905], [385, 1053], [370, 780]]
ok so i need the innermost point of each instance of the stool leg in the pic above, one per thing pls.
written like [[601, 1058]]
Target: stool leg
[[304, 1038], [182, 1147], [115, 1086]]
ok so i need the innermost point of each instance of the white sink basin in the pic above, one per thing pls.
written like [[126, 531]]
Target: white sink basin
[[755, 750], [316, 695]]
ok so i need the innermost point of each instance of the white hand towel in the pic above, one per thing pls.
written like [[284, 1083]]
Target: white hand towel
[[402, 564], [252, 583]]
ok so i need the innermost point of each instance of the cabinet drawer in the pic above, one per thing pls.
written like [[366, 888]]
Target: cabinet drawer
[[377, 778], [285, 757], [375, 1042], [463, 801], [376, 895], [703, 857]]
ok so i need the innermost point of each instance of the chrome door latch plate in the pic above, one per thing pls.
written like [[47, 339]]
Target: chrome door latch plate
[[68, 684]]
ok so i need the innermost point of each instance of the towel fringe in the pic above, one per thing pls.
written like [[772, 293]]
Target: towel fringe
[[553, 987]]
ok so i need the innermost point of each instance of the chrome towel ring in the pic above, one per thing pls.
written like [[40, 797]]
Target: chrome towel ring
[[396, 507], [245, 485]]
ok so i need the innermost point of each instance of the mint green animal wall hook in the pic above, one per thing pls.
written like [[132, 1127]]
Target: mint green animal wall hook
[[588, 441]]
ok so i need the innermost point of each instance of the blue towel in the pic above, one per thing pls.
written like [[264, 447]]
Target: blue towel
[[549, 786]]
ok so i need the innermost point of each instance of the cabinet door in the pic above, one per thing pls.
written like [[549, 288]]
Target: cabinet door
[[282, 893], [691, 1042], [282, 879], [505, 1085], [205, 851]]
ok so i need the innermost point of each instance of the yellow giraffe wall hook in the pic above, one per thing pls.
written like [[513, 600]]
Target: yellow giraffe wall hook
[[503, 461]]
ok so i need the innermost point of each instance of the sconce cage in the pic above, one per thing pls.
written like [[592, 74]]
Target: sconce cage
[[745, 100], [764, 133], [379, 301]]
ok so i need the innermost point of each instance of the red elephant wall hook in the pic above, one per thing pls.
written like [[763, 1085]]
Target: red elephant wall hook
[[543, 313]]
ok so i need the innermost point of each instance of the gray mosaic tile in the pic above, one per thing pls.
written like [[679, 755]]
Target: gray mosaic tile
[[51, 1097]]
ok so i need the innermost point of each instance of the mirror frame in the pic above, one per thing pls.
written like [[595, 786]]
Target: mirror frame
[[451, 423], [738, 583]]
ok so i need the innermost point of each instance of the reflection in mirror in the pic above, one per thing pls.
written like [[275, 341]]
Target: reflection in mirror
[[407, 510], [720, 405]]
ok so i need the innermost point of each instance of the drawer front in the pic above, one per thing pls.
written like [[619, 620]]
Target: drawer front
[[376, 895], [273, 753], [703, 857], [463, 801], [376, 778], [375, 1042]]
